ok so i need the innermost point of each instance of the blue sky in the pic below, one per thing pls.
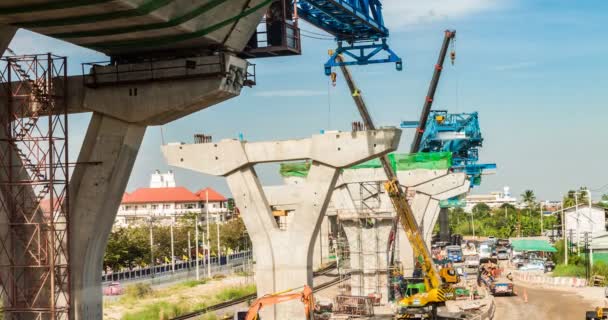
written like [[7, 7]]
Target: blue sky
[[534, 70]]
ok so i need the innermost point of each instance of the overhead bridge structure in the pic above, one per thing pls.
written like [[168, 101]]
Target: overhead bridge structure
[[166, 60]]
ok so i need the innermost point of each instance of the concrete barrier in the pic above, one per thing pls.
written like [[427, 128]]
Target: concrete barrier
[[540, 278]]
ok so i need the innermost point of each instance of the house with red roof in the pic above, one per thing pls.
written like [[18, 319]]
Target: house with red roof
[[165, 204]]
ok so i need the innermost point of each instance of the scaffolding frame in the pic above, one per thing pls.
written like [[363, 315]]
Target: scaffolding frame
[[34, 175], [368, 214]]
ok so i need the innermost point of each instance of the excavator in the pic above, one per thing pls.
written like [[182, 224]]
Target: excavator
[[437, 286], [305, 297]]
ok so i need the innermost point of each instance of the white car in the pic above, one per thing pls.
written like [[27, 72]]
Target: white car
[[471, 261], [533, 266]]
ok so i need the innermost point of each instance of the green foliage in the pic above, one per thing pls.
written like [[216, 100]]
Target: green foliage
[[573, 196], [500, 222], [130, 247], [570, 270]]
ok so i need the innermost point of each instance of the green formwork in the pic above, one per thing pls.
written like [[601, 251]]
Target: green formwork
[[399, 162]]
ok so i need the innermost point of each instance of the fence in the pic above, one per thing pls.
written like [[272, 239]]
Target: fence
[[225, 263]]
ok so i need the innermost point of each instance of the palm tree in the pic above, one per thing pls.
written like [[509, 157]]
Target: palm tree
[[529, 199]]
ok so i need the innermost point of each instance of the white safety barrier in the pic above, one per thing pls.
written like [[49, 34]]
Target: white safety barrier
[[540, 278]]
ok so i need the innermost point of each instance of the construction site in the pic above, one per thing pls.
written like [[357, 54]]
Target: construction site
[[357, 228]]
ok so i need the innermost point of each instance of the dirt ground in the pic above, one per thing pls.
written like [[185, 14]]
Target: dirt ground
[[543, 303]]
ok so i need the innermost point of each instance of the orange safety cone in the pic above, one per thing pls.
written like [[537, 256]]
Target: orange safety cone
[[525, 295]]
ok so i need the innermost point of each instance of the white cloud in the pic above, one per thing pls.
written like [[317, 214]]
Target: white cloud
[[403, 13], [514, 66], [290, 93]]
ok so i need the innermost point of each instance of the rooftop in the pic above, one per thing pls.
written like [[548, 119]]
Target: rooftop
[[176, 194]]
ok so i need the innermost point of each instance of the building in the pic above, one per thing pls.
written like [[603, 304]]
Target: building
[[164, 202], [493, 200], [585, 219]]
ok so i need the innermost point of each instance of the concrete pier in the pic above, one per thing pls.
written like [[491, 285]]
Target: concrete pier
[[366, 214], [284, 256]]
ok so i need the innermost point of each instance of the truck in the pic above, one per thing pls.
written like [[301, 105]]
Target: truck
[[454, 253], [489, 275]]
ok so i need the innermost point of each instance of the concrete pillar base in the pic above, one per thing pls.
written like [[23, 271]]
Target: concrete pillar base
[[284, 256]]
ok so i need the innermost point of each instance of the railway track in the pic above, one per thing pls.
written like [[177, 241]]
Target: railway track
[[246, 298]]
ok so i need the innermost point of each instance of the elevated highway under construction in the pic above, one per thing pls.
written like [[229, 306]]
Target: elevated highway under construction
[[168, 59]]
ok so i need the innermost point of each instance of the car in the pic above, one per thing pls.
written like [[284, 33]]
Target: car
[[471, 261], [518, 260], [113, 289], [502, 254], [549, 266], [533, 265], [454, 253]]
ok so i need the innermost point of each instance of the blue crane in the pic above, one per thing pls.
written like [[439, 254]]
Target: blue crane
[[357, 25], [458, 133]]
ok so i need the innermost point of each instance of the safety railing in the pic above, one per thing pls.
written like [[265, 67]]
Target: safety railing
[[182, 266]]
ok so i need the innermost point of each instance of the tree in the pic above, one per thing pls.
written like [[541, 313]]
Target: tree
[[604, 202]]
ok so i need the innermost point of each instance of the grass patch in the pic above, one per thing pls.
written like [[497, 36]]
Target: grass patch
[[562, 270], [157, 311], [232, 293], [163, 310], [188, 284], [135, 292]]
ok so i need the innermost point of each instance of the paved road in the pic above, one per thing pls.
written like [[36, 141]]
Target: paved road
[[542, 304]]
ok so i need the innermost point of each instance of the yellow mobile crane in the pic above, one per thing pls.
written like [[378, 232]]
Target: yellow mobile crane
[[421, 305]]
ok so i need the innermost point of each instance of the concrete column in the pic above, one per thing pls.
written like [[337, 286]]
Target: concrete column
[[6, 36], [425, 205], [284, 258], [444, 225], [99, 180]]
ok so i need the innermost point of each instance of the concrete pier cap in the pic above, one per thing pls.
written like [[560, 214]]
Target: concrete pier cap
[[284, 256]]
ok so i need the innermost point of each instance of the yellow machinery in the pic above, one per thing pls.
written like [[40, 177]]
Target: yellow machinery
[[421, 305]]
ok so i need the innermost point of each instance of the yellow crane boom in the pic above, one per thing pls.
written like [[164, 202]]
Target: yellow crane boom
[[397, 196]]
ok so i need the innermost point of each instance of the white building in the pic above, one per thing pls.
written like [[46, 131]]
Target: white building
[[162, 180], [164, 202], [493, 200], [584, 220]]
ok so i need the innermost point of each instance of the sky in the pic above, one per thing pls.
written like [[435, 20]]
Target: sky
[[535, 70]]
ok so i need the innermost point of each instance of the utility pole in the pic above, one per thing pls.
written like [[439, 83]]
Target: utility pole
[[198, 277], [473, 222], [189, 251], [208, 233], [541, 218], [564, 234], [152, 262], [172, 249], [219, 252], [578, 223]]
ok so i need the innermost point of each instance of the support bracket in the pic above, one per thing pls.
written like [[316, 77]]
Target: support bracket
[[363, 54]]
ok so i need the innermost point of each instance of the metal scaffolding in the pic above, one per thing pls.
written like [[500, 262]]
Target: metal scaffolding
[[34, 174]]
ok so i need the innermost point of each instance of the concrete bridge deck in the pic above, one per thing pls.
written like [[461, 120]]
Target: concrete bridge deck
[[128, 27]]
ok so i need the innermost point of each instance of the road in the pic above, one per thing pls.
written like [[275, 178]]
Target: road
[[542, 304]]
